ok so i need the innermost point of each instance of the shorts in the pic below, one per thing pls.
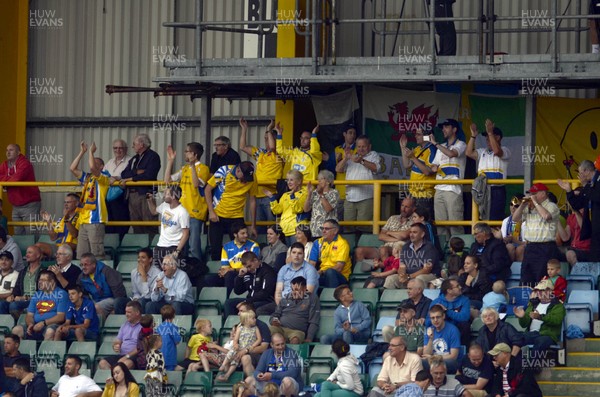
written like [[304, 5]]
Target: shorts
[[113, 360], [215, 357], [37, 335], [89, 335], [288, 333], [186, 363]]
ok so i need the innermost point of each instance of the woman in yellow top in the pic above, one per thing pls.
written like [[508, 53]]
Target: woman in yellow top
[[291, 205], [121, 384]]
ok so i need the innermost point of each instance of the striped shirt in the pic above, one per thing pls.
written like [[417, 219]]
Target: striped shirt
[[92, 208], [358, 172], [491, 165], [451, 168], [229, 194], [538, 230], [269, 167]]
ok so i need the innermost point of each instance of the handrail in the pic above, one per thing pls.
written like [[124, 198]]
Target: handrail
[[376, 222]]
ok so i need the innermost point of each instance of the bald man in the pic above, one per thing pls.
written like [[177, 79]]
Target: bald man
[[27, 282]]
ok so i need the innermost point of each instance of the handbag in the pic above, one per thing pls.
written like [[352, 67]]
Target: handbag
[[114, 192]]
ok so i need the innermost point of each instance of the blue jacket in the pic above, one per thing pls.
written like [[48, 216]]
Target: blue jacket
[[292, 366], [457, 311], [360, 318], [107, 283]]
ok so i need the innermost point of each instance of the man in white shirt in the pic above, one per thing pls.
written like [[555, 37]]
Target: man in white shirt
[[362, 165], [73, 384], [175, 224], [8, 279], [118, 209], [448, 164]]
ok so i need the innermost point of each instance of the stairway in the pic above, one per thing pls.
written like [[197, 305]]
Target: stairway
[[582, 375]]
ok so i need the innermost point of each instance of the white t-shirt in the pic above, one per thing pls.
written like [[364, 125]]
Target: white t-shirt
[[7, 283], [72, 386], [541, 308], [173, 221], [451, 167], [493, 166]]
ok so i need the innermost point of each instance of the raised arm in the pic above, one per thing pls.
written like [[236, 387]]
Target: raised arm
[[471, 150], [77, 173]]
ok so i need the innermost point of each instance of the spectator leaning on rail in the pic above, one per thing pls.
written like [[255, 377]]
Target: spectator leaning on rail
[[92, 210], [144, 166], [493, 162], [192, 180], [26, 200]]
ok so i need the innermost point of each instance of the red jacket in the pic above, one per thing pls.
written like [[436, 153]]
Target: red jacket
[[22, 171], [560, 287]]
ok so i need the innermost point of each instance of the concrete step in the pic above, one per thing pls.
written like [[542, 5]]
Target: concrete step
[[583, 345], [571, 374], [584, 359], [564, 389]]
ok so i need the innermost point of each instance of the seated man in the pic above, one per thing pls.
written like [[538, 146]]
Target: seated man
[[172, 286], [30, 383], [11, 355], [419, 259], [492, 253], [125, 344], [8, 279], [82, 322], [297, 315], [259, 281], [65, 231], [27, 282], [74, 384], [399, 368], [231, 257], [298, 267], [396, 229], [441, 385], [280, 365], [143, 277], [46, 310], [407, 326], [495, 331], [103, 283], [476, 372], [65, 271], [543, 317], [352, 319], [443, 339], [509, 376], [332, 253]]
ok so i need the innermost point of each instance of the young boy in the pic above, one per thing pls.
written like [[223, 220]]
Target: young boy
[[82, 322], [388, 264], [558, 281], [170, 336]]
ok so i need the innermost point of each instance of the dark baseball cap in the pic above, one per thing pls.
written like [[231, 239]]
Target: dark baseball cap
[[7, 254], [497, 131], [406, 305], [451, 122], [247, 169]]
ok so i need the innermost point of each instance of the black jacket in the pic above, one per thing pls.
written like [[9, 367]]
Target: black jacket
[[260, 285], [36, 388], [494, 258], [19, 289], [149, 163], [505, 333], [230, 158], [589, 198], [521, 382], [476, 291]]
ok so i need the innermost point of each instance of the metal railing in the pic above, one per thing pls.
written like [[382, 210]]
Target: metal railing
[[376, 222]]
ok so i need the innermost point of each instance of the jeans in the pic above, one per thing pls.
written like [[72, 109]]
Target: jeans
[[18, 307], [194, 241], [332, 278], [263, 213], [4, 305], [348, 337], [538, 341]]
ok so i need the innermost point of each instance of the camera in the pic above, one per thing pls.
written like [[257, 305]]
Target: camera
[[427, 137]]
